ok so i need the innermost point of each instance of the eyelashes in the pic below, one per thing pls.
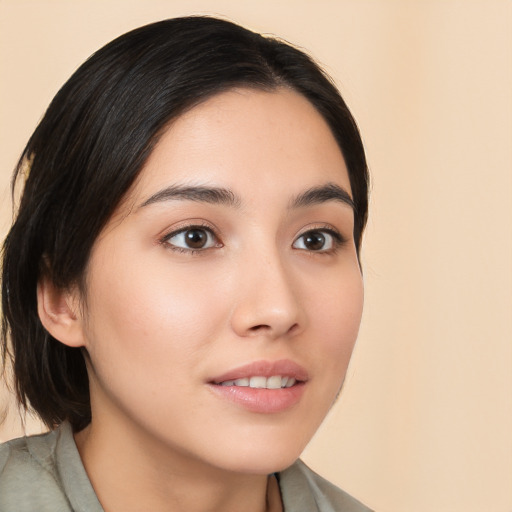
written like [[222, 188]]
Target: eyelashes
[[192, 239], [200, 238], [323, 240]]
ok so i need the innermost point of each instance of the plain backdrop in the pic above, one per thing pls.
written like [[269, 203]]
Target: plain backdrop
[[425, 420]]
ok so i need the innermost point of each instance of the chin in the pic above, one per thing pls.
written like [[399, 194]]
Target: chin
[[270, 463], [265, 456]]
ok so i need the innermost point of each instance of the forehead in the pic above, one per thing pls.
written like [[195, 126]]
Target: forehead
[[246, 140]]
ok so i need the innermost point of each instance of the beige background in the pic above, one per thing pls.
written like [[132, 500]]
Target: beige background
[[425, 422]]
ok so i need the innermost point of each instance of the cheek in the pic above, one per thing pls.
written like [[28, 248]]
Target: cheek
[[135, 306], [336, 315]]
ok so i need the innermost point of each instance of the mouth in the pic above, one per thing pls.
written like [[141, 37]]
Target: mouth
[[262, 386], [261, 382], [283, 373]]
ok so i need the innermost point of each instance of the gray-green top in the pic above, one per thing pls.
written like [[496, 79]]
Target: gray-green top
[[45, 474]]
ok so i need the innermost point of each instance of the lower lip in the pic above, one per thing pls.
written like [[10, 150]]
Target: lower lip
[[261, 400]]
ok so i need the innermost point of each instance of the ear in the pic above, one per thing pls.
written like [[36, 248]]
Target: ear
[[59, 312]]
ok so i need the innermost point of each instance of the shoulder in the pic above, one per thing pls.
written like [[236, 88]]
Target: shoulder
[[305, 491], [30, 475]]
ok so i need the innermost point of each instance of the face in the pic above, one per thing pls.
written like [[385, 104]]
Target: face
[[224, 296]]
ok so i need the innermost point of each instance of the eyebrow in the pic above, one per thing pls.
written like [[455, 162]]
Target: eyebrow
[[224, 196], [212, 195], [322, 194]]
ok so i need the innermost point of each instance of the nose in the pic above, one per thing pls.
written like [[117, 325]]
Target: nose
[[268, 303]]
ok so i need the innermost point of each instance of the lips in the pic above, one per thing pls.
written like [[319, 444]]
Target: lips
[[261, 382], [267, 369], [263, 386]]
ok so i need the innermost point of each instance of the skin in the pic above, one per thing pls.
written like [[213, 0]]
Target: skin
[[159, 321]]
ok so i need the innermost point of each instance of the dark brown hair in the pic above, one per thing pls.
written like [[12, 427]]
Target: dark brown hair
[[90, 146]]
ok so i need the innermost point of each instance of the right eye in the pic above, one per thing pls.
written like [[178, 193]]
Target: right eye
[[191, 238]]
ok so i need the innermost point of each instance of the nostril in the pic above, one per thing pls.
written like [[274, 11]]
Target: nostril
[[293, 328], [261, 327]]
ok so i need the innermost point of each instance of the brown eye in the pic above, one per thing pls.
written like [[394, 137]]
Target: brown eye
[[317, 241], [314, 241], [196, 238], [192, 238]]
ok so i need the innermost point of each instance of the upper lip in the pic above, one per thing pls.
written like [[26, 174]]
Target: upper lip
[[283, 367]]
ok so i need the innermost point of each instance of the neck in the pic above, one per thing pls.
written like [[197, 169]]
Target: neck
[[131, 472]]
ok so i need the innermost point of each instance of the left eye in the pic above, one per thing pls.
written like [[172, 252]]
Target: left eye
[[192, 238], [316, 240]]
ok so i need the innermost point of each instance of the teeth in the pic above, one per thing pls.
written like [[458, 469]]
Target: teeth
[[290, 383], [274, 382], [260, 382]]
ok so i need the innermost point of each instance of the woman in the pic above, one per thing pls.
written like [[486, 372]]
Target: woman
[[181, 285]]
